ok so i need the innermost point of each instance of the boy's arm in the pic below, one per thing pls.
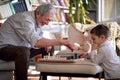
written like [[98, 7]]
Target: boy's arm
[[90, 51]]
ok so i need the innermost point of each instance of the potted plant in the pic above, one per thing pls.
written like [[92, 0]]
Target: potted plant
[[78, 11]]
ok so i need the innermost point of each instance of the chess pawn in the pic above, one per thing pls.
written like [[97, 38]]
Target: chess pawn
[[38, 57]]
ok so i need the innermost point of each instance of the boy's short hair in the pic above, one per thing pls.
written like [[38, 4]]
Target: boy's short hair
[[100, 30]]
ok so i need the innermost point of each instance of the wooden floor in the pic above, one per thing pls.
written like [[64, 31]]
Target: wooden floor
[[63, 78]]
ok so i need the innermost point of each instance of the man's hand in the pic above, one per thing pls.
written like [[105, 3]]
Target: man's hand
[[48, 48], [69, 44]]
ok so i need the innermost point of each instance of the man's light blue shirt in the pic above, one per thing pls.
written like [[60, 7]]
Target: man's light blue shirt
[[20, 30]]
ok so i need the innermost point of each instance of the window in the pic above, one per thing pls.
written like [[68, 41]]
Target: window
[[108, 9]]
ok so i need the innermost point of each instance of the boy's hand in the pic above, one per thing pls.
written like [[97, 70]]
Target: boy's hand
[[77, 46], [83, 54], [94, 46]]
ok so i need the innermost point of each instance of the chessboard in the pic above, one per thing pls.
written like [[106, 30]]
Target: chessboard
[[56, 59]]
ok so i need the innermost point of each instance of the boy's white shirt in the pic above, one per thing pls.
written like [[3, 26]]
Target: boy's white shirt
[[107, 58]]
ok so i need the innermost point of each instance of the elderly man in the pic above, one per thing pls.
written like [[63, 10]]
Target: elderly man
[[21, 38]]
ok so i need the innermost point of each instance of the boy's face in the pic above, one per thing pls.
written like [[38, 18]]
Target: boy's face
[[98, 39]]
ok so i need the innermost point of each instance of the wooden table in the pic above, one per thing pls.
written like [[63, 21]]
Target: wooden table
[[44, 74]]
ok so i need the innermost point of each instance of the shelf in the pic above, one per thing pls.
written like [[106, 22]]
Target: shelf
[[91, 9], [2, 20], [56, 23], [2, 2], [61, 7]]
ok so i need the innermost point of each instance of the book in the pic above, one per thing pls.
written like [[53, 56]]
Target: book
[[0, 16], [34, 1], [2, 2], [28, 5], [19, 7], [5, 10], [12, 8], [66, 3], [61, 2], [43, 1], [55, 2], [63, 17], [58, 15]]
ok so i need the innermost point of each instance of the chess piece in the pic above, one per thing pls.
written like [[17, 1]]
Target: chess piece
[[38, 57]]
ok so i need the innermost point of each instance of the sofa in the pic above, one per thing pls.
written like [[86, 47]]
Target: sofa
[[6, 70]]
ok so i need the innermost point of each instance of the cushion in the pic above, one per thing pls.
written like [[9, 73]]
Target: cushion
[[78, 66], [5, 65]]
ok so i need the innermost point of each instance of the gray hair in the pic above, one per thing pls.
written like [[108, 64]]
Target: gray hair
[[46, 8]]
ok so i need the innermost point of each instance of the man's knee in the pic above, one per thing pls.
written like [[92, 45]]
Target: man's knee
[[23, 51]]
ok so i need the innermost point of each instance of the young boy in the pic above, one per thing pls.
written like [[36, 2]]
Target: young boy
[[103, 53]]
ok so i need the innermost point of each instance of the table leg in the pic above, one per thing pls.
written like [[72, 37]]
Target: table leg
[[43, 77]]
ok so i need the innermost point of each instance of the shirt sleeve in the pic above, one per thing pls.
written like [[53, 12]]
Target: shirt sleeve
[[97, 56]]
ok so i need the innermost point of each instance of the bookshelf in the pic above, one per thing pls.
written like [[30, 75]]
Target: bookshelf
[[62, 8], [5, 11], [9, 7]]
